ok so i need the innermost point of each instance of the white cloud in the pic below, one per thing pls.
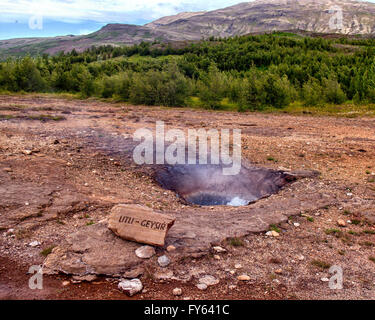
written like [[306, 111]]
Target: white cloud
[[104, 11]]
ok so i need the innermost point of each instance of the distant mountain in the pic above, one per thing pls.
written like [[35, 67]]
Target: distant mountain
[[317, 16]]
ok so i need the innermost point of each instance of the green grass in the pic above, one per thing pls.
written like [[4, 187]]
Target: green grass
[[321, 264], [47, 251], [335, 232], [275, 228], [236, 242]]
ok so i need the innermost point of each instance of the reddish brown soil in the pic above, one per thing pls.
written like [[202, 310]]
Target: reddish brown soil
[[68, 184]]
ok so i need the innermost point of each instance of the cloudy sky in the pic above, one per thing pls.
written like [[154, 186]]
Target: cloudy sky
[[29, 18]]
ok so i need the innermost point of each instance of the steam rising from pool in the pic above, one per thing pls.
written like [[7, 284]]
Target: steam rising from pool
[[237, 202], [206, 185]]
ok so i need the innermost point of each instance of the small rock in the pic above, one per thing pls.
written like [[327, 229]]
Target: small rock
[[164, 261], [243, 277], [133, 273], [177, 291], [278, 271], [232, 286], [202, 286], [27, 152], [341, 223], [301, 258], [88, 278], [65, 283], [9, 232], [296, 224], [164, 275], [209, 280], [8, 169], [34, 244], [145, 252], [272, 233], [131, 287], [219, 249], [238, 266], [217, 257], [324, 279], [171, 248]]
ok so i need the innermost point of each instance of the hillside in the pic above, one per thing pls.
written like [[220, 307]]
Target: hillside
[[245, 18]]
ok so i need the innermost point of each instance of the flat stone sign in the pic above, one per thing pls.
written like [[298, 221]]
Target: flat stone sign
[[140, 224]]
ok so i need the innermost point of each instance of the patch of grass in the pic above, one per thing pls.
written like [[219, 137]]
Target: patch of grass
[[310, 219], [46, 117], [6, 116], [273, 227], [321, 264], [45, 252], [335, 232], [356, 221], [372, 259], [236, 242], [272, 159], [369, 231], [353, 233], [347, 212], [90, 223], [368, 244]]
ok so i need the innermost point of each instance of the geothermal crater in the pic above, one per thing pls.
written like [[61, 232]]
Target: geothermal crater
[[206, 185]]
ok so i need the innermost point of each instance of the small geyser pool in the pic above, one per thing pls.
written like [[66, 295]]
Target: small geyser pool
[[206, 185]]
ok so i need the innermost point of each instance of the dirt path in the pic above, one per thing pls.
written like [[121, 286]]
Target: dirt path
[[63, 165]]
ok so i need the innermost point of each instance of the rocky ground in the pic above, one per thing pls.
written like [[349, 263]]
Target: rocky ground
[[65, 163]]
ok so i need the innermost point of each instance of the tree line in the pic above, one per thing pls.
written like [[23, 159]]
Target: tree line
[[252, 72]]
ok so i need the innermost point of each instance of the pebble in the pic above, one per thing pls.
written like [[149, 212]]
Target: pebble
[[296, 224], [202, 286], [238, 266], [8, 169], [177, 291], [301, 258], [145, 252], [324, 279], [217, 257], [243, 277], [219, 249], [272, 233], [65, 283], [171, 248], [278, 271], [130, 287], [9, 232], [209, 280], [341, 223], [27, 152], [164, 261], [34, 244]]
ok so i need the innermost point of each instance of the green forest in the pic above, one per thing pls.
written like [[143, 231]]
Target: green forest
[[243, 73]]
